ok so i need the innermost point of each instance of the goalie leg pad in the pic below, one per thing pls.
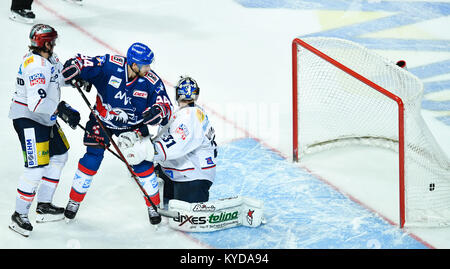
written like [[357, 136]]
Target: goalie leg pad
[[216, 215]]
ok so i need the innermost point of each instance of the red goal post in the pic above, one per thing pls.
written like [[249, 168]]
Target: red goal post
[[315, 50]]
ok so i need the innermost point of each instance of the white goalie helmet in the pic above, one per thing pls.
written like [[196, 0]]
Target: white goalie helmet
[[187, 89]]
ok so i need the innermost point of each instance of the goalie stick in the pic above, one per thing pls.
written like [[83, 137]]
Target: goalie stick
[[162, 212]]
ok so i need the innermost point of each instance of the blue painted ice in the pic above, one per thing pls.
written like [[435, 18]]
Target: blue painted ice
[[301, 210]]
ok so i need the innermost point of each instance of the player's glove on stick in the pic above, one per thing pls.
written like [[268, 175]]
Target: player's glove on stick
[[71, 73], [68, 114], [155, 114]]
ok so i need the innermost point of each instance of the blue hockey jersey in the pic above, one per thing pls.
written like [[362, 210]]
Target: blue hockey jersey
[[120, 103]]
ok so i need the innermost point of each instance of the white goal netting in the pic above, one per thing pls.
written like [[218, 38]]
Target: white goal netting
[[336, 109]]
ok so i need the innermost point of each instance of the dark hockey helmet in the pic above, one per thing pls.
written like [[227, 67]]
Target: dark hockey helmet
[[41, 33], [187, 89], [139, 54]]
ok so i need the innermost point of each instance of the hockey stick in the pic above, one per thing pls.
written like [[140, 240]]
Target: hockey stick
[[130, 169]]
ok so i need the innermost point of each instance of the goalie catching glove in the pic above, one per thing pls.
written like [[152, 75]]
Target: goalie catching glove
[[135, 148]]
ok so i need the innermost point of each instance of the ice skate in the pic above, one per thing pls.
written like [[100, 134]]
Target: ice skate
[[21, 224], [22, 15], [71, 210], [77, 2], [47, 212], [154, 216]]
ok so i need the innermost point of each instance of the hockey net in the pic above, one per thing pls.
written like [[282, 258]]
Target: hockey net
[[344, 94]]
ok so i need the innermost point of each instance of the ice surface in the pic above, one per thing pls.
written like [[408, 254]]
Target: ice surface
[[240, 55]]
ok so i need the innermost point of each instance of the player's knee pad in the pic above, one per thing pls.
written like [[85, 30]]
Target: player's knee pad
[[55, 167], [91, 161], [30, 179], [60, 159]]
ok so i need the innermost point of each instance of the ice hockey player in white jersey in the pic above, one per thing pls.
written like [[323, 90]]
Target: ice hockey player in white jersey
[[186, 150], [34, 109]]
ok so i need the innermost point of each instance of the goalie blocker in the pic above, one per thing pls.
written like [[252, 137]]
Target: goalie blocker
[[216, 215]]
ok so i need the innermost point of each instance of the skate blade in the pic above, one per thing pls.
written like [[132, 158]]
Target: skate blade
[[42, 218], [67, 220], [20, 19], [155, 227], [13, 226], [78, 3]]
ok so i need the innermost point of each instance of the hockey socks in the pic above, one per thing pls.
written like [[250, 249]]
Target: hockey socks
[[26, 189], [147, 179], [51, 177], [80, 185], [87, 168]]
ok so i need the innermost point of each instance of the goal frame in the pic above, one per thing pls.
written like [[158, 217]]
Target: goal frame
[[401, 117]]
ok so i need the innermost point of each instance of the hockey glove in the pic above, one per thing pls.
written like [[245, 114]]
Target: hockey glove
[[68, 114], [155, 114], [135, 149], [71, 72], [127, 139]]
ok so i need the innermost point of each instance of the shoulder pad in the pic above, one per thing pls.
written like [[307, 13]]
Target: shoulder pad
[[116, 59]]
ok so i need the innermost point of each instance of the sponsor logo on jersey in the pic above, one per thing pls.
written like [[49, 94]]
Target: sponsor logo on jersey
[[100, 60], [200, 115], [152, 77], [30, 147], [122, 96], [183, 131], [209, 161], [115, 81], [37, 78], [28, 61], [141, 94], [117, 60]]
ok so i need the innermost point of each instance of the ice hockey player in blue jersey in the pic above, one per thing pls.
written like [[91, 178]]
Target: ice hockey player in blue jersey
[[186, 151], [129, 96]]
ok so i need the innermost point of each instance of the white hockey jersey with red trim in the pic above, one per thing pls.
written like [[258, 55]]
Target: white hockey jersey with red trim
[[186, 150], [37, 92]]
